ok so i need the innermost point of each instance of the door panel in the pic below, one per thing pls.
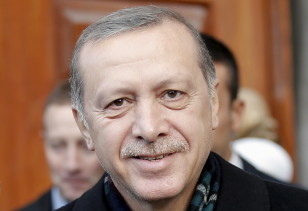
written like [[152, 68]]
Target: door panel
[[72, 16]]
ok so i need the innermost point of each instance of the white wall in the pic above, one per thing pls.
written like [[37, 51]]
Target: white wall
[[300, 58]]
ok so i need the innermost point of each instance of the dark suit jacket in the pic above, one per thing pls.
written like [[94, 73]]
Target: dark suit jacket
[[43, 203], [239, 190]]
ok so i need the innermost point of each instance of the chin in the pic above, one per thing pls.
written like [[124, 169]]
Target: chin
[[71, 195], [159, 195], [158, 191]]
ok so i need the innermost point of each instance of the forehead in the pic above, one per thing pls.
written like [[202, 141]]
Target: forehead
[[58, 115], [168, 38]]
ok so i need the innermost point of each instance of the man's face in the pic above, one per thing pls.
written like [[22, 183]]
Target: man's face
[[229, 114], [148, 110], [74, 168]]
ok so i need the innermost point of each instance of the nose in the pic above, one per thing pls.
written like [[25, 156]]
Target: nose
[[149, 121], [72, 159]]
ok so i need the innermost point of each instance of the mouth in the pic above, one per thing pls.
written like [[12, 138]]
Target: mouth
[[76, 181], [152, 158]]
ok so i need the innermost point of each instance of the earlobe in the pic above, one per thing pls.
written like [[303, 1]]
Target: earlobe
[[83, 129]]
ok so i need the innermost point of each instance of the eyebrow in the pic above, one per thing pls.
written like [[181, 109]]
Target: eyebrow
[[119, 90], [167, 82], [178, 78], [126, 89]]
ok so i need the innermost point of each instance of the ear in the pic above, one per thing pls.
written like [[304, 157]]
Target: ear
[[215, 106], [83, 129], [238, 107]]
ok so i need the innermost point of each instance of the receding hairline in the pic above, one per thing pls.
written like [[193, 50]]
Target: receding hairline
[[132, 30], [162, 15], [166, 20]]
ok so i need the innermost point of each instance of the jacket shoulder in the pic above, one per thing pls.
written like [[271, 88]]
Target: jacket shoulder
[[284, 197], [43, 203], [93, 199], [69, 206], [240, 190]]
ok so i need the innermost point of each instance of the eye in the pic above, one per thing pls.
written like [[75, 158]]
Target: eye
[[172, 94], [174, 99], [82, 144], [118, 103], [57, 146], [83, 147], [117, 107]]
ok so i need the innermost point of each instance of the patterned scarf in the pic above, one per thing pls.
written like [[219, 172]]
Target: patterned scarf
[[206, 192], [204, 197]]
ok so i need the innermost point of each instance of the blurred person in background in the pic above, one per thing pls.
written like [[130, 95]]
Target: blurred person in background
[[266, 156], [231, 111], [73, 168], [257, 138], [257, 120]]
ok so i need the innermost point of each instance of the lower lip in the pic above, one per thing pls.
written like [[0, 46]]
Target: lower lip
[[153, 166], [76, 182]]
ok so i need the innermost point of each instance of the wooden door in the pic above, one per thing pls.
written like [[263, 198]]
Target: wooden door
[[37, 38], [26, 75]]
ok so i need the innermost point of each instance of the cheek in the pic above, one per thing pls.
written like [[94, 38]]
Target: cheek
[[194, 124], [222, 132], [92, 161], [108, 138], [223, 122], [196, 129], [54, 161], [94, 168], [224, 115]]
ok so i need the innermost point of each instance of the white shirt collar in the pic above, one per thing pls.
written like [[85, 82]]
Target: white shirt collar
[[236, 160], [57, 200]]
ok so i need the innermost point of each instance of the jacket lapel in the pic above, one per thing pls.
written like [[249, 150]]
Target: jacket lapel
[[240, 190]]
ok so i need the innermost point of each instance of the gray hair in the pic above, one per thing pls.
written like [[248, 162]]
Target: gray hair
[[127, 20]]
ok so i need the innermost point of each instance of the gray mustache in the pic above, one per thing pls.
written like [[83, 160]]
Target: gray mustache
[[144, 148]]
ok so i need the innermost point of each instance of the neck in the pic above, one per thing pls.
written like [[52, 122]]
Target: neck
[[228, 153], [225, 153]]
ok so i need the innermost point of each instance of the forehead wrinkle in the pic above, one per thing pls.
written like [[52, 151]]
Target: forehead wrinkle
[[175, 79], [104, 48], [130, 87], [169, 40], [104, 55], [126, 86]]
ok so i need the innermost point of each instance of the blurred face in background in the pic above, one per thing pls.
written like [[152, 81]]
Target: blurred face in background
[[73, 167], [229, 115]]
